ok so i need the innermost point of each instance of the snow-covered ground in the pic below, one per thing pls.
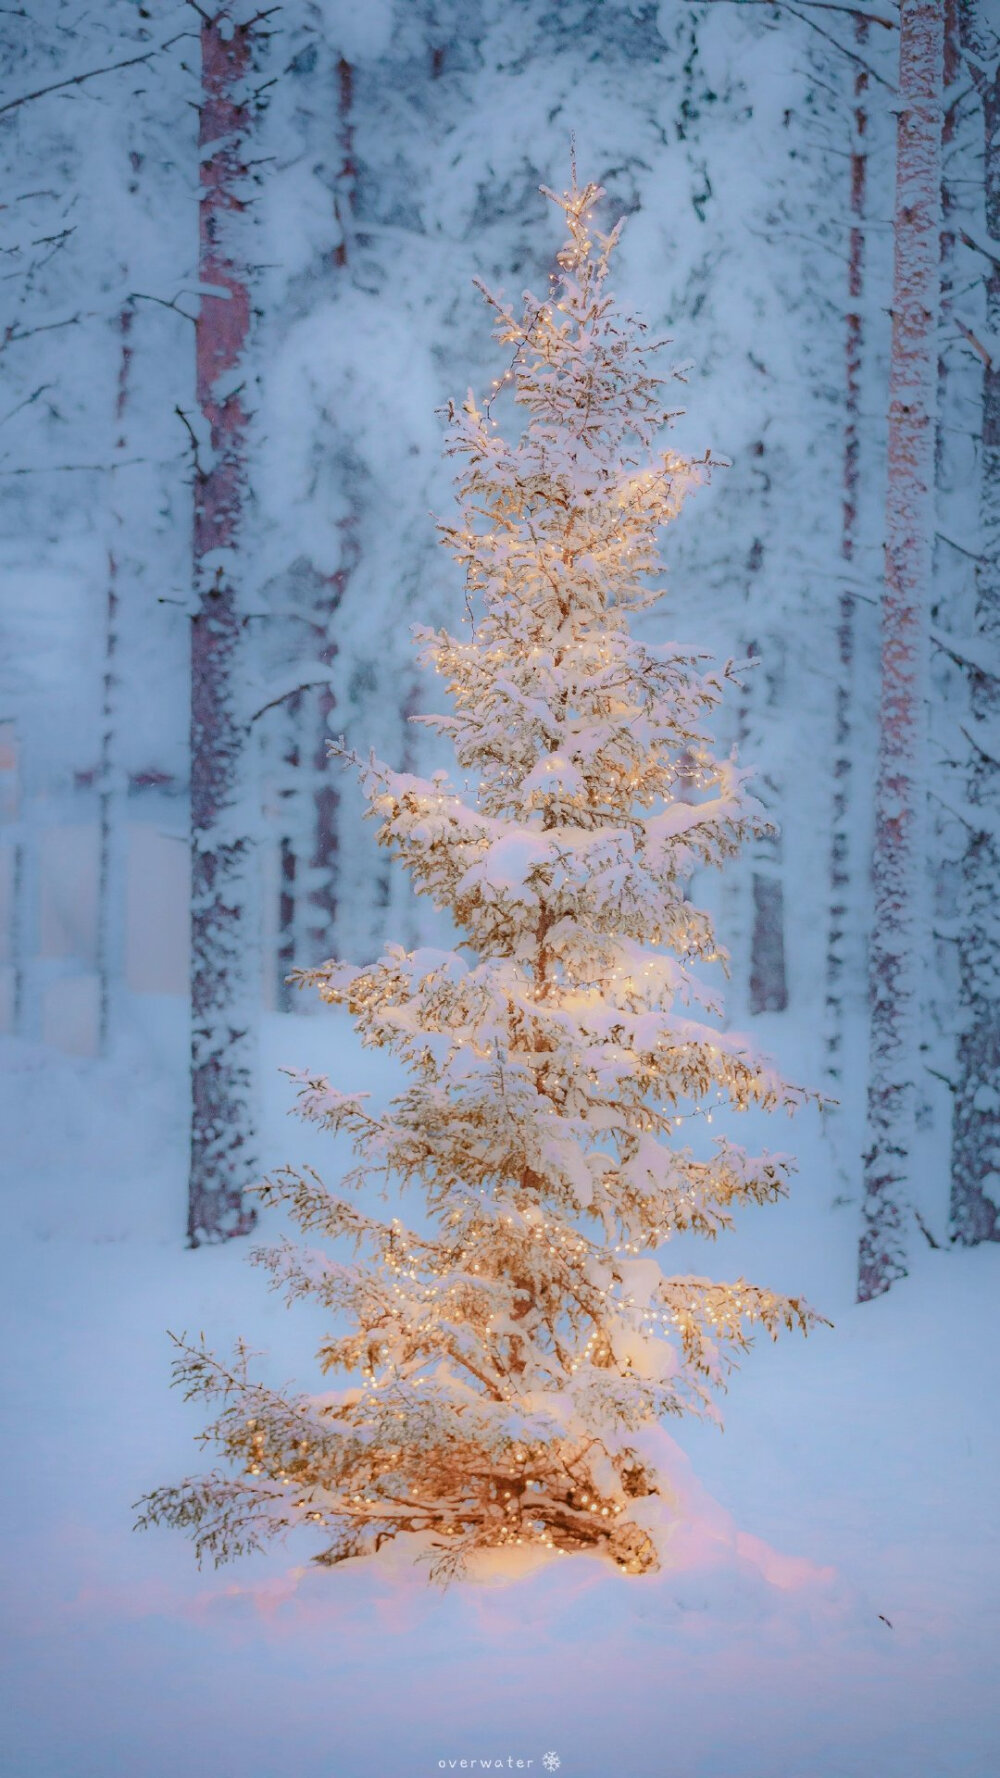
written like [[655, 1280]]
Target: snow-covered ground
[[831, 1610]]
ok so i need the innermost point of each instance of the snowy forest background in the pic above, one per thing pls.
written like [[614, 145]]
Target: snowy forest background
[[392, 151]]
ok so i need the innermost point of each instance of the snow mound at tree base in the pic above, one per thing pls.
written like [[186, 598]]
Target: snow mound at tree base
[[696, 1540]]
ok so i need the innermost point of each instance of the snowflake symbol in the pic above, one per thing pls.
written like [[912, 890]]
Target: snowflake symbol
[[551, 1762]]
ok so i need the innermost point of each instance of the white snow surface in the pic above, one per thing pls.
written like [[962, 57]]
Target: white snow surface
[[828, 1608]]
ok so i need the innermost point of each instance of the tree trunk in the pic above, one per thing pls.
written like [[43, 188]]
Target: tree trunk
[[952, 67], [975, 1152], [840, 866], [289, 873], [111, 777], [223, 946], [898, 941], [324, 863], [768, 978], [767, 983]]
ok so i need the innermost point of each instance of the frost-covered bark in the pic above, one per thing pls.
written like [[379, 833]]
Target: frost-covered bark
[[767, 984], [112, 779], [324, 859], [954, 96], [841, 864], [511, 1345], [975, 1155], [223, 982], [899, 933]]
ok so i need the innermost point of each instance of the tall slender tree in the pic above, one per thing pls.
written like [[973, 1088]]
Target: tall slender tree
[[112, 779], [223, 1029], [842, 866], [898, 941], [514, 1341], [975, 1155], [308, 829], [324, 862]]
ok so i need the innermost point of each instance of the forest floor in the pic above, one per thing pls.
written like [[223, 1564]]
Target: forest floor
[[830, 1607]]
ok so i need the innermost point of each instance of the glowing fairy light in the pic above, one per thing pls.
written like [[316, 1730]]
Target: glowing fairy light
[[554, 1057]]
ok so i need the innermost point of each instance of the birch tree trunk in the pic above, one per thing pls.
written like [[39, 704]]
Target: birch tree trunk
[[840, 866], [898, 941], [223, 945], [975, 1153]]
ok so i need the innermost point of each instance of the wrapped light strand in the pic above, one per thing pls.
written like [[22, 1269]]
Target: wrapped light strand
[[499, 1362]]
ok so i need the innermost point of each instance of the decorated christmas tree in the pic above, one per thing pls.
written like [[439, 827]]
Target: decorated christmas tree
[[509, 1347]]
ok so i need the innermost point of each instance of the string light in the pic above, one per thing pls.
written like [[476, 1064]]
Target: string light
[[547, 1071]]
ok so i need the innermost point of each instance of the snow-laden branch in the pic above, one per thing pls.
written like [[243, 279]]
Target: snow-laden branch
[[891, 22], [563, 1064], [56, 86], [290, 691], [983, 244]]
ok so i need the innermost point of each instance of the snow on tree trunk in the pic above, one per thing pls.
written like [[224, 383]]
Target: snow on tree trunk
[[347, 172], [223, 981], [768, 978], [841, 864], [310, 851], [768, 983], [111, 775], [975, 1154], [951, 69], [899, 931], [509, 1359], [289, 798], [324, 862]]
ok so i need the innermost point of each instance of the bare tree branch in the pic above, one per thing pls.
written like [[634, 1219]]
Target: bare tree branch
[[963, 659], [91, 74], [74, 80], [889, 20], [851, 54], [974, 341], [957, 813], [145, 296], [13, 337], [292, 691], [950, 541], [199, 468], [73, 468], [989, 249], [26, 402], [983, 752]]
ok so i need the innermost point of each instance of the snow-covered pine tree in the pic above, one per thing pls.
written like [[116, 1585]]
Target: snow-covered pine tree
[[513, 1342]]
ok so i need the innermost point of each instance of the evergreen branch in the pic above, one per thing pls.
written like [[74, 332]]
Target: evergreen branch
[[495, 1361]]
